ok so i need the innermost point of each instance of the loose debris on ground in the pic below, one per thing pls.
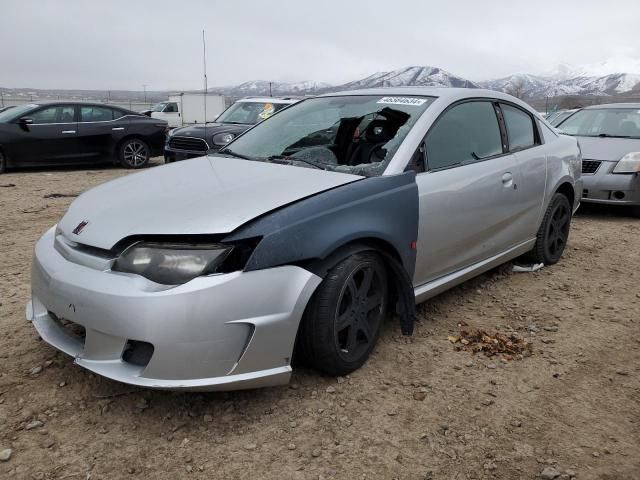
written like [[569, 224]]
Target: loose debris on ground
[[60, 195], [509, 347]]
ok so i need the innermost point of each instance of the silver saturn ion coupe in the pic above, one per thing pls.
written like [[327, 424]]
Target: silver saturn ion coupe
[[609, 137], [301, 235]]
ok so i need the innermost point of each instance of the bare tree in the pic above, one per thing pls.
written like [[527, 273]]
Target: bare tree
[[516, 88]]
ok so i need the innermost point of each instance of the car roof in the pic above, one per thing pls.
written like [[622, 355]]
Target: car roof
[[445, 93], [42, 103], [73, 102], [270, 99], [633, 106]]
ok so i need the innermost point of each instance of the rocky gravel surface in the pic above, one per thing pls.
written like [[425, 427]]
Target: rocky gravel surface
[[421, 408]]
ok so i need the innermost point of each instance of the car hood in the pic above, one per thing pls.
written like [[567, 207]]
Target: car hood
[[198, 131], [611, 149], [206, 195]]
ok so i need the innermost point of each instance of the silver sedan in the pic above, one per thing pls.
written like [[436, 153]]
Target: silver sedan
[[301, 236], [609, 136]]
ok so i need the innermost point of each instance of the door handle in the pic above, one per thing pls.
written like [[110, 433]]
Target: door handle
[[68, 132], [507, 180], [117, 128]]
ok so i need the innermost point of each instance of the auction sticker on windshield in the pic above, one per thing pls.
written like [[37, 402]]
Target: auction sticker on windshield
[[402, 101]]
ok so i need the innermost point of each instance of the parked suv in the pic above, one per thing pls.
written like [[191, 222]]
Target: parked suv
[[196, 140]]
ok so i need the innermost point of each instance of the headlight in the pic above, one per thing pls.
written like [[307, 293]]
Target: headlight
[[222, 139], [171, 132], [630, 163], [171, 264]]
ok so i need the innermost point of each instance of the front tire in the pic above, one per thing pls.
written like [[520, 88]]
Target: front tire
[[553, 234], [342, 321], [3, 163], [134, 153], [635, 211]]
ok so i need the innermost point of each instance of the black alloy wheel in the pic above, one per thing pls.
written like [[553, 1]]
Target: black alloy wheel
[[553, 234], [359, 312]]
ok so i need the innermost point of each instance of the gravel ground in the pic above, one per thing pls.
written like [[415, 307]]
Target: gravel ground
[[421, 408]]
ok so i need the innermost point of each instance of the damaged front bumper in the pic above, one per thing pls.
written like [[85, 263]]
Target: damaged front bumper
[[218, 332]]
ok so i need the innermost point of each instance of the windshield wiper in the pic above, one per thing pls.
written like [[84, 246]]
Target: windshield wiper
[[607, 135], [227, 151], [293, 159]]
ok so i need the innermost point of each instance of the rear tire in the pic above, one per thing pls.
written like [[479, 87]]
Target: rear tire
[[134, 153], [553, 234], [343, 319], [3, 163]]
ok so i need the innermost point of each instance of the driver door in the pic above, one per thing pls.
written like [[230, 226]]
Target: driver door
[[468, 196], [50, 138]]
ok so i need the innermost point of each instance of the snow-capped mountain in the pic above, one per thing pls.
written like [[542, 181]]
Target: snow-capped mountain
[[616, 64], [263, 87], [564, 80], [415, 76]]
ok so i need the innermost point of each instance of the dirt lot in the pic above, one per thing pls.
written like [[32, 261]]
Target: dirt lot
[[419, 409]]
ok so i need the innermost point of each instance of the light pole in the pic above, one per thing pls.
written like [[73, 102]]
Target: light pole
[[145, 92]]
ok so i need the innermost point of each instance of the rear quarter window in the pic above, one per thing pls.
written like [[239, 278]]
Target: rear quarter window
[[520, 128]]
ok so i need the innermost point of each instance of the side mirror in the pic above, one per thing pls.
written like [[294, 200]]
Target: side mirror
[[25, 121]]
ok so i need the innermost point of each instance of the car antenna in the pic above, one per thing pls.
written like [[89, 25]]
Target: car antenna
[[204, 97]]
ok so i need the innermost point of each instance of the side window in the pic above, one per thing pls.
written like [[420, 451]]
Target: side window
[[57, 114], [465, 133], [91, 113], [519, 127], [117, 113], [171, 108]]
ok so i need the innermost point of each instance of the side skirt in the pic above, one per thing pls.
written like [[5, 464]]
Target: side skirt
[[431, 289]]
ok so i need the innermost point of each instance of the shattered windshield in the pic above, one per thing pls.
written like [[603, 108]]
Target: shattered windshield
[[603, 122], [250, 113], [356, 134]]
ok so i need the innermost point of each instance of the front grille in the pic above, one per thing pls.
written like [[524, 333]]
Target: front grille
[[590, 166], [188, 143]]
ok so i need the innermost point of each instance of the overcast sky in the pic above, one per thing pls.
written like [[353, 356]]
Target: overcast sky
[[123, 44]]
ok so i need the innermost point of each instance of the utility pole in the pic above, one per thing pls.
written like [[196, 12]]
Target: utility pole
[[204, 68], [546, 105], [145, 92], [270, 94], [2, 98]]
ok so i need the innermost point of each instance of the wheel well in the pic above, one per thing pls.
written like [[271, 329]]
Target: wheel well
[[322, 265], [566, 189], [401, 292]]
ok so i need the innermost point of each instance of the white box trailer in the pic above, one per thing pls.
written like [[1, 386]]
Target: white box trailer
[[189, 108]]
